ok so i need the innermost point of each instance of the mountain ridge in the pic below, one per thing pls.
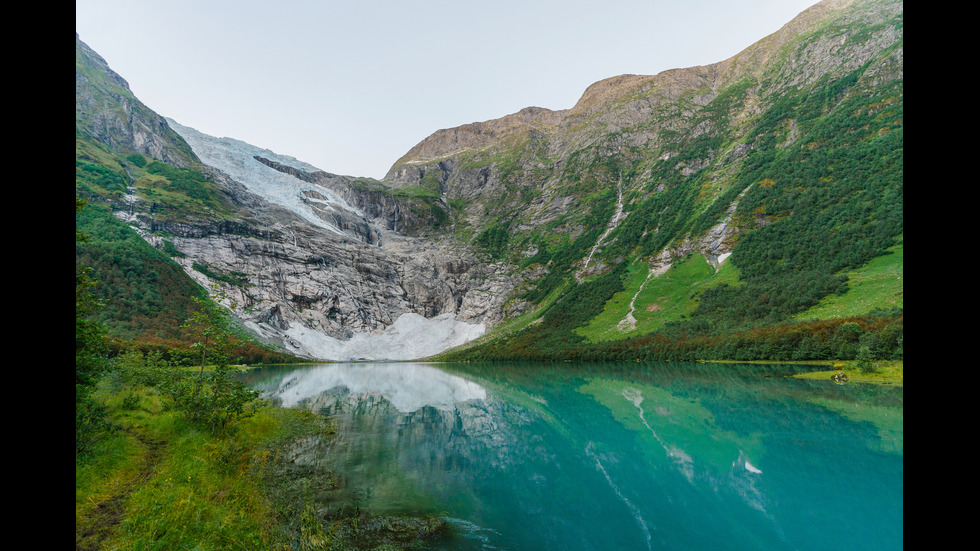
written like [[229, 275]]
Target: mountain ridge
[[750, 61], [548, 216]]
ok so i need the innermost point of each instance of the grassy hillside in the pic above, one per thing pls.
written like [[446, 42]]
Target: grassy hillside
[[878, 284], [814, 173], [653, 301]]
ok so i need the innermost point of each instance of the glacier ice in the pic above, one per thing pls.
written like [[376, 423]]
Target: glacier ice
[[237, 159]]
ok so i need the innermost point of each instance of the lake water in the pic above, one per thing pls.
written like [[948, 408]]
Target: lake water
[[618, 456]]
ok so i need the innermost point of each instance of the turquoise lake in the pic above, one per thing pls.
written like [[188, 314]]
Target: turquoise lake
[[612, 456]]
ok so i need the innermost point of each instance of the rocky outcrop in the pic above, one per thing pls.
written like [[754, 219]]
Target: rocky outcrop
[[641, 119], [385, 206], [308, 285], [304, 268], [106, 109], [473, 137]]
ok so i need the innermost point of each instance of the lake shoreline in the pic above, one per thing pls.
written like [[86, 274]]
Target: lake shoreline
[[886, 372]]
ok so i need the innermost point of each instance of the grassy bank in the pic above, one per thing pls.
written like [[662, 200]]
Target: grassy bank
[[884, 372], [155, 480], [879, 372]]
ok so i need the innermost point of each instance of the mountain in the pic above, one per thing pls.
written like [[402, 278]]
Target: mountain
[[713, 211], [319, 274]]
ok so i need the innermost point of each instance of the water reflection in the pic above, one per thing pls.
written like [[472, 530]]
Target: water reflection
[[407, 387], [613, 456]]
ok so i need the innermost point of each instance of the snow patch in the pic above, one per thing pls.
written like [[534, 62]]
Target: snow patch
[[411, 337]]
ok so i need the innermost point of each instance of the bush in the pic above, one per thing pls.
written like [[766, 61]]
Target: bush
[[211, 397]]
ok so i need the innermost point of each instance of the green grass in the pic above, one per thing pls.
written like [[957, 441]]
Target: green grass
[[885, 372], [879, 284], [158, 483], [670, 297]]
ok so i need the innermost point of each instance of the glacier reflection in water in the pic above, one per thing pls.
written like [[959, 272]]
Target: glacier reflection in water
[[408, 387], [611, 456]]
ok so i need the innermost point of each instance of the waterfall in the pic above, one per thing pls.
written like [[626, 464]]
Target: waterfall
[[617, 217]]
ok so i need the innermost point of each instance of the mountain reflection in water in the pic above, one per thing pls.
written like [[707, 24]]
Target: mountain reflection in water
[[612, 456]]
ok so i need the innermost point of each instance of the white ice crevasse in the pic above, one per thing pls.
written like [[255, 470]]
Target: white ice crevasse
[[237, 159]]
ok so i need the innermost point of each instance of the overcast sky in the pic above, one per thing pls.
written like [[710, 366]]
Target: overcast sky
[[349, 86]]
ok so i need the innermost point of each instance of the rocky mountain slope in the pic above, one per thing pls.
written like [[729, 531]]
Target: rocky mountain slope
[[779, 168], [300, 266], [535, 166]]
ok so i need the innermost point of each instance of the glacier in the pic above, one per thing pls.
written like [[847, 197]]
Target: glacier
[[410, 337], [237, 159]]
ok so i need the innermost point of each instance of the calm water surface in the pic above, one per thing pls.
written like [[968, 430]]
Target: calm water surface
[[615, 456]]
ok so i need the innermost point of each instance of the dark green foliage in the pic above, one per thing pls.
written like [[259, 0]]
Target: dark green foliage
[[212, 397], [439, 216], [191, 183], [236, 279], [494, 240], [880, 335], [171, 251], [145, 294], [90, 352], [92, 175], [585, 301], [134, 367], [831, 202]]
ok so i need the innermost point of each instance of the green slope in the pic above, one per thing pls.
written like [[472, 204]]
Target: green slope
[[654, 301], [879, 284], [813, 169]]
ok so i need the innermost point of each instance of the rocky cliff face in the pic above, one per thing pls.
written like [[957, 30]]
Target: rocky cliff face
[[304, 268], [106, 109]]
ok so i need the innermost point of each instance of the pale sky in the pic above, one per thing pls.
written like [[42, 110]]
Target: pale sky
[[349, 86]]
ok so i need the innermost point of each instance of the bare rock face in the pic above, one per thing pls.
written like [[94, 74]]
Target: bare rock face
[[303, 268], [107, 109]]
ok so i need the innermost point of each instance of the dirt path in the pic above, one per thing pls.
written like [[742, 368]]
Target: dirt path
[[99, 522]]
